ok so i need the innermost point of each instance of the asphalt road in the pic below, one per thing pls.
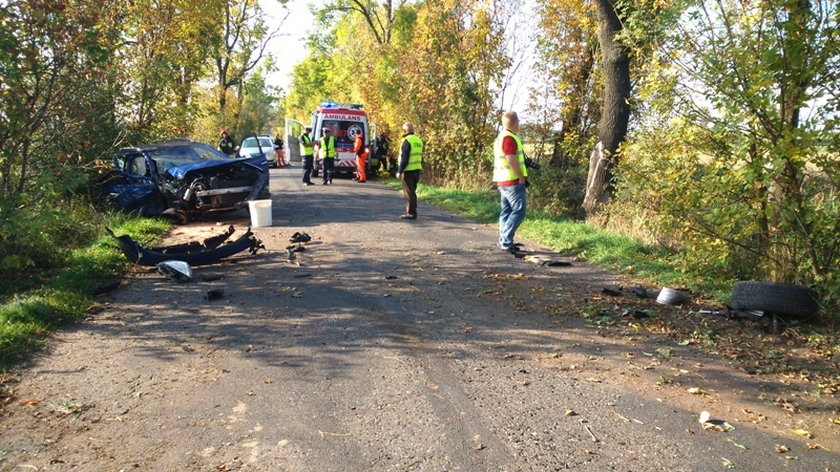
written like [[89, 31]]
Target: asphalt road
[[388, 345]]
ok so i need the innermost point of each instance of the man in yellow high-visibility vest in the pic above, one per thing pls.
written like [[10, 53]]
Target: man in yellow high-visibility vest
[[511, 177], [411, 162], [326, 149], [306, 155]]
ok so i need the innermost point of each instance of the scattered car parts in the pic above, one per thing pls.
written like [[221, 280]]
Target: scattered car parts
[[210, 251], [178, 271], [671, 296]]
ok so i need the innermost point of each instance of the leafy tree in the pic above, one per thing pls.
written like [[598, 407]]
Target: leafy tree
[[242, 45], [52, 62], [165, 54], [452, 71], [744, 174], [259, 107]]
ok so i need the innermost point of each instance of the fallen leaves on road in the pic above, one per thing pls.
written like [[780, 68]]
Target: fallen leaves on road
[[803, 432], [739, 446], [781, 448], [696, 391]]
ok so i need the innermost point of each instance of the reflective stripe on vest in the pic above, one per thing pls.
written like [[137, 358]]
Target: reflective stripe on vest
[[330, 147], [305, 145], [415, 158], [501, 168]]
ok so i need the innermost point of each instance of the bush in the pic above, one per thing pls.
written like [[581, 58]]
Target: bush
[[716, 199]]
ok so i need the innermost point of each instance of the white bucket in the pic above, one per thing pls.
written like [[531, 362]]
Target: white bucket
[[260, 212]]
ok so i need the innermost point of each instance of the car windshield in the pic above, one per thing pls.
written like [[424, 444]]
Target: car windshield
[[167, 157], [265, 143]]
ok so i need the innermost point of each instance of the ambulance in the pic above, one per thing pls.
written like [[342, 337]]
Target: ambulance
[[344, 120]]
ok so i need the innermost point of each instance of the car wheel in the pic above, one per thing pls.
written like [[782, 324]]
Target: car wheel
[[786, 299]]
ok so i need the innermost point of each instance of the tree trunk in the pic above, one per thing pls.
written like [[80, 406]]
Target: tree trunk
[[615, 112]]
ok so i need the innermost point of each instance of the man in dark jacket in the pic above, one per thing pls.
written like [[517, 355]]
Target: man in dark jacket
[[226, 143]]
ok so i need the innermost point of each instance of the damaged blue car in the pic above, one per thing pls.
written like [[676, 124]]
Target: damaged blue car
[[184, 180]]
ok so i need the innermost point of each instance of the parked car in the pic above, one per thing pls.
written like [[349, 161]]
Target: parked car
[[261, 145], [184, 179]]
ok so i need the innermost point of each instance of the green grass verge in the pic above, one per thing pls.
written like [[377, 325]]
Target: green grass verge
[[617, 253], [26, 318]]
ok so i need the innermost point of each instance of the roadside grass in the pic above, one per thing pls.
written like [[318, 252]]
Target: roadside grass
[[617, 253], [27, 318]]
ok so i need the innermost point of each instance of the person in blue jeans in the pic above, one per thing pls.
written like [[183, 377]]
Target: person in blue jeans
[[511, 177]]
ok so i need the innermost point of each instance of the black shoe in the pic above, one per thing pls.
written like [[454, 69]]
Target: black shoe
[[324, 183], [406, 216], [518, 244], [511, 249], [308, 183]]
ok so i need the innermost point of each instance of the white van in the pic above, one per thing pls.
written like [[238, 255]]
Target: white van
[[344, 120]]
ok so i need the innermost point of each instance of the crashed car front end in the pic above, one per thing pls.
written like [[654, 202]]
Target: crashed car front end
[[183, 180], [204, 188]]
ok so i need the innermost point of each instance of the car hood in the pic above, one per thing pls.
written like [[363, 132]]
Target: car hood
[[180, 172]]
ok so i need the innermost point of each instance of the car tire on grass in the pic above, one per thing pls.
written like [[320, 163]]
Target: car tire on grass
[[786, 299]]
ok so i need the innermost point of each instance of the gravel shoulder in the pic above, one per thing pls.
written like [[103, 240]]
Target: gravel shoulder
[[393, 345]]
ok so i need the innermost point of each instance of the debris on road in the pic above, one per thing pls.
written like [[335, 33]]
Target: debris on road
[[299, 237], [671, 296], [611, 292], [210, 251], [178, 271], [638, 314], [214, 294], [545, 262]]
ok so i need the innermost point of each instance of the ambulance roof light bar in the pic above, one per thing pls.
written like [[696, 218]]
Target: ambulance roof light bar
[[333, 104]]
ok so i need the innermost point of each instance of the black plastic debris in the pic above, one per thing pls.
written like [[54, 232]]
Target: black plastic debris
[[302, 276], [299, 237], [640, 292], [212, 278], [214, 294], [611, 292], [391, 277], [557, 264], [637, 314], [209, 252]]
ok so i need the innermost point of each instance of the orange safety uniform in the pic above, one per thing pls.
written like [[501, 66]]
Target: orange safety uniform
[[361, 158]]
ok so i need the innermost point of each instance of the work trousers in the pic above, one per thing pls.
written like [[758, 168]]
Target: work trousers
[[514, 203], [307, 163], [329, 169], [409, 183], [361, 164]]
